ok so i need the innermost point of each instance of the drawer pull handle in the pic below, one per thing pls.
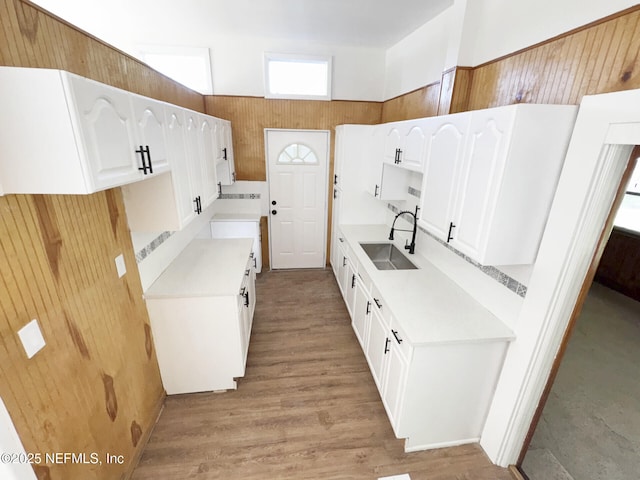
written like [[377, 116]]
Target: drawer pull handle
[[378, 303], [449, 236], [386, 345], [245, 293], [246, 272], [353, 281], [368, 308], [395, 334], [344, 261]]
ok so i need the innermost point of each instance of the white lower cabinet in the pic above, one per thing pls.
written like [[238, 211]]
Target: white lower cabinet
[[240, 226], [436, 390], [201, 311], [377, 347], [362, 312]]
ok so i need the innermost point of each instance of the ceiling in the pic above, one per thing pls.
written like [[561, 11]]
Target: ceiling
[[364, 23]]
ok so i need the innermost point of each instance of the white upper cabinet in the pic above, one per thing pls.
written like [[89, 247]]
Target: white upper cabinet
[[392, 142], [185, 169], [446, 138], [496, 195], [226, 170], [169, 201], [65, 134], [405, 144], [386, 181], [150, 121], [208, 147], [106, 136]]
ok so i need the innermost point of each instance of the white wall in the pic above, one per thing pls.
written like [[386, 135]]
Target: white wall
[[237, 61], [418, 59], [468, 33], [358, 73], [10, 443], [499, 27]]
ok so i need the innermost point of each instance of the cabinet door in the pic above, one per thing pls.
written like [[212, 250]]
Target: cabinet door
[[350, 287], [194, 152], [244, 325], [446, 139], [336, 238], [392, 143], [482, 171], [361, 314], [378, 346], [107, 134], [394, 385], [150, 131], [225, 164], [374, 160], [208, 144], [413, 148], [341, 275], [184, 167]]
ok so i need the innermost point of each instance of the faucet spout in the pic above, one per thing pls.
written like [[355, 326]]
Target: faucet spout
[[412, 246]]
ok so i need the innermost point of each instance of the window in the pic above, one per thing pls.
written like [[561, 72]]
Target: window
[[297, 77], [299, 154], [190, 66]]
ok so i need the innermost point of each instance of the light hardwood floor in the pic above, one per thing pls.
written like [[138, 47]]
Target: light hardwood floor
[[307, 408]]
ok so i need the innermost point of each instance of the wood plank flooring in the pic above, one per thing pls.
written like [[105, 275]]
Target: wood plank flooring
[[307, 407]]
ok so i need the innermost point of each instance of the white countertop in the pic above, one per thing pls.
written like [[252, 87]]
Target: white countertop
[[429, 306], [206, 267]]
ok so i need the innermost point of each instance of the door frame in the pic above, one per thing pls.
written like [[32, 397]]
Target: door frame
[[325, 188], [582, 296], [606, 128]]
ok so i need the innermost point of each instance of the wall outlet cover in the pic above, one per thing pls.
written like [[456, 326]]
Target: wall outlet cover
[[120, 266], [31, 338]]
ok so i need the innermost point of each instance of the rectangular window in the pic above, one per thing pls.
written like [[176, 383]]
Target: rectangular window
[[300, 77]]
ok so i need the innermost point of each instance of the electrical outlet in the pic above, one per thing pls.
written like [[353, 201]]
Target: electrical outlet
[[31, 338], [120, 266]]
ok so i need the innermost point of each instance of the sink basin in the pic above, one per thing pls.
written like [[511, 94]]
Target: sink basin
[[385, 256]]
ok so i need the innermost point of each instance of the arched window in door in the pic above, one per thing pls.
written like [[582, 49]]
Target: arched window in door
[[297, 153]]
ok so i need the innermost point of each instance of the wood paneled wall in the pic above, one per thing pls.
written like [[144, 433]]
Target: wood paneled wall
[[251, 115], [95, 387], [422, 102], [32, 37], [598, 58]]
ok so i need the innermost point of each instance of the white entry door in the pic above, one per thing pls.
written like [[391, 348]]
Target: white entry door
[[297, 164]]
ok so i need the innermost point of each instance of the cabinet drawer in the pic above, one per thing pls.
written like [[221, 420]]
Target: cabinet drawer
[[400, 341]]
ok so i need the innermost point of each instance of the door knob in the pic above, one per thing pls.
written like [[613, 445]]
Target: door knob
[[273, 212], [273, 202]]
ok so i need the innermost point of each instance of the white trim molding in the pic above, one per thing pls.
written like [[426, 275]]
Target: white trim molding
[[606, 128]]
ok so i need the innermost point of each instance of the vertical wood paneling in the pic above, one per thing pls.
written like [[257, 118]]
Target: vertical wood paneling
[[251, 115], [95, 387], [599, 58], [420, 103], [96, 377], [454, 94]]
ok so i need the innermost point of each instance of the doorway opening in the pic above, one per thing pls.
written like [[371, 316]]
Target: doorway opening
[[297, 175], [587, 420]]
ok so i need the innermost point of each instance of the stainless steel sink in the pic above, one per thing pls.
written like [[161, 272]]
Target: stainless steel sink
[[385, 256]]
